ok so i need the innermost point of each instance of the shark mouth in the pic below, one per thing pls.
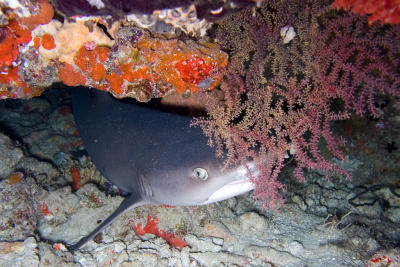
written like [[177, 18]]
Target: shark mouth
[[234, 188]]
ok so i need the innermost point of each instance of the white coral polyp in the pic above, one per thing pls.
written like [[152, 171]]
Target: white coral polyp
[[287, 34]]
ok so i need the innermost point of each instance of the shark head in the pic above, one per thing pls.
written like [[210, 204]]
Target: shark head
[[199, 184]]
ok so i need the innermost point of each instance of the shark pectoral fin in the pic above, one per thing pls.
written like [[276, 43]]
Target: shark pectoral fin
[[128, 203]]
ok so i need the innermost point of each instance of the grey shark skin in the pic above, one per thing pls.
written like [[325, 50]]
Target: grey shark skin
[[154, 156]]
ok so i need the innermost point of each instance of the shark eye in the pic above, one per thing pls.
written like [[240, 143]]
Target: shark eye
[[200, 173]]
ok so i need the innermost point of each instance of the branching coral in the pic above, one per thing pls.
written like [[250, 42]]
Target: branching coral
[[280, 98], [151, 228]]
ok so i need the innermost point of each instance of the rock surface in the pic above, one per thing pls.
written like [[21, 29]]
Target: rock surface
[[324, 223]]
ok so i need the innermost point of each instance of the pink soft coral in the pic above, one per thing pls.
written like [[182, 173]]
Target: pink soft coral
[[283, 97]]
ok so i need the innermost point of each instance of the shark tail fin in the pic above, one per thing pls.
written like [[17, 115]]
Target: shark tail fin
[[128, 203]]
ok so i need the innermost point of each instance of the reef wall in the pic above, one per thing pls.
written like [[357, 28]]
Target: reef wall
[[39, 47]]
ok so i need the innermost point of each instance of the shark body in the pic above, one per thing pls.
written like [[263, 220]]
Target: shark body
[[154, 156]]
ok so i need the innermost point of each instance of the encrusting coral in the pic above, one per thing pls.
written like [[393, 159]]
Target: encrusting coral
[[15, 34], [68, 37], [123, 59], [386, 11], [149, 67]]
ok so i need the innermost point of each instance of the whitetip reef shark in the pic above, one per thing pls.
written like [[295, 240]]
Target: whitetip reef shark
[[154, 156]]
